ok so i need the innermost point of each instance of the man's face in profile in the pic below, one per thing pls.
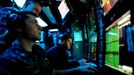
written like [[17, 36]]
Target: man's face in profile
[[32, 30], [69, 43]]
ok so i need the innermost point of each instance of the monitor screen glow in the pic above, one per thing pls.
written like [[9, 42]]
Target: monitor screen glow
[[63, 9]]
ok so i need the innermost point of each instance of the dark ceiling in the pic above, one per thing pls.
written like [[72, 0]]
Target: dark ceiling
[[77, 9]]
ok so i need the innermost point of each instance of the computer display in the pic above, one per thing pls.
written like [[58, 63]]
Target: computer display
[[112, 47], [120, 48]]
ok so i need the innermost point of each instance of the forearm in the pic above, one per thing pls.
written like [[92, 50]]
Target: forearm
[[77, 70], [66, 72]]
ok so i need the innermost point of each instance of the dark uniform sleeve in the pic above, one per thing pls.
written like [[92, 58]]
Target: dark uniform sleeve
[[59, 59]]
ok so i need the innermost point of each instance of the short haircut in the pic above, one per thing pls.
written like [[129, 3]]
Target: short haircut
[[65, 36], [12, 19]]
